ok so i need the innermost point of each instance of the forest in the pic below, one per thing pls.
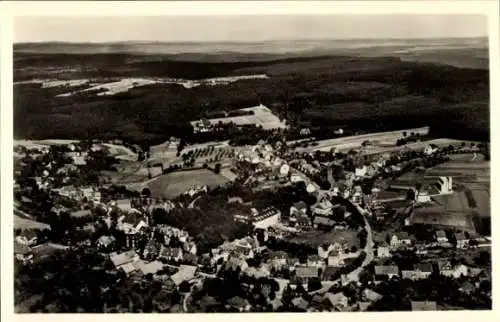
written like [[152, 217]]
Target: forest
[[364, 94]]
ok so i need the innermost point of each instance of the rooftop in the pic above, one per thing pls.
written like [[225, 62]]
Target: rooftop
[[423, 306]]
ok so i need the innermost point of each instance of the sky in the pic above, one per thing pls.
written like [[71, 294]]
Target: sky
[[246, 28]]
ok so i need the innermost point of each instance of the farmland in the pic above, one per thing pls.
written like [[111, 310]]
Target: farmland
[[172, 184], [261, 116]]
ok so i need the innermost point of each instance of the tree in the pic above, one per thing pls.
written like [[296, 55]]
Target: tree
[[217, 168], [146, 192]]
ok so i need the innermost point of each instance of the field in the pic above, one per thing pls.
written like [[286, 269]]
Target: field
[[23, 223], [461, 220], [317, 238], [173, 184], [262, 117], [350, 142]]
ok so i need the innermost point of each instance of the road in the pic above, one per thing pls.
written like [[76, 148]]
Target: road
[[370, 256]]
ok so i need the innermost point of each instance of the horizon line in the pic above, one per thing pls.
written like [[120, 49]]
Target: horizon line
[[238, 41]]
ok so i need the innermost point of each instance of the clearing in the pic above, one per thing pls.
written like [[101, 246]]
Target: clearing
[[171, 185]]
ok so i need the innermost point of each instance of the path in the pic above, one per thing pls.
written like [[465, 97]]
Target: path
[[370, 256]]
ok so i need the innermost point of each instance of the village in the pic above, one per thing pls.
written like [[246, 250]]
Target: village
[[329, 230]]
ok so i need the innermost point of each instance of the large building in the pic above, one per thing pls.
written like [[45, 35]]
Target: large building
[[264, 218], [259, 115]]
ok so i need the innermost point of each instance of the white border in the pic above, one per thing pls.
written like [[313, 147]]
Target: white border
[[147, 8]]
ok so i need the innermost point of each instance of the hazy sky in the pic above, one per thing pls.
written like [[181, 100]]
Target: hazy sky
[[246, 28]]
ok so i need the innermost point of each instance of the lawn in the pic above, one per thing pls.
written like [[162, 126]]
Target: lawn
[[317, 238], [173, 184]]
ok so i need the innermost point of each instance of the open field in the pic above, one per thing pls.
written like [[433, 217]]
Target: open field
[[120, 152], [172, 184], [316, 238], [350, 142], [262, 116], [23, 223], [459, 220]]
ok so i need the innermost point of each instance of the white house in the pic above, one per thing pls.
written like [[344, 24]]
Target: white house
[[361, 171], [400, 239], [383, 252]]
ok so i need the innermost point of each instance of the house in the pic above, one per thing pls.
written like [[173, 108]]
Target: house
[[149, 268], [125, 261], [267, 217], [238, 303], [304, 222], [124, 205], [420, 271], [338, 300], [462, 240], [371, 295], [323, 208], [185, 273], [324, 251], [388, 271], [446, 269], [383, 252], [190, 247], [27, 237], [361, 171], [441, 237], [257, 273], [331, 273], [335, 259], [323, 222], [235, 262], [171, 253], [276, 303], [298, 209], [304, 273], [22, 252], [105, 242], [152, 249], [315, 261], [300, 303], [400, 239], [277, 260], [423, 306]]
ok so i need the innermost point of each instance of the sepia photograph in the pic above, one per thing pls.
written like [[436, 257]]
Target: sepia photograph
[[217, 163]]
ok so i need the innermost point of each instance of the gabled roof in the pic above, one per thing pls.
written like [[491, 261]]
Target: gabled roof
[[424, 267], [371, 295], [237, 302], [300, 205], [320, 220], [440, 234], [300, 303], [423, 306], [185, 273], [171, 252], [306, 271], [460, 236], [123, 258], [335, 299], [386, 270], [149, 268]]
